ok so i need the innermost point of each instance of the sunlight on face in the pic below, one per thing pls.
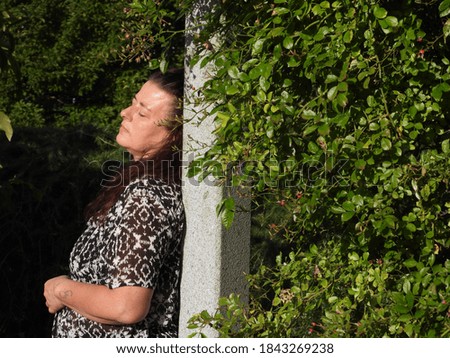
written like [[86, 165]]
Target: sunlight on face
[[142, 132]]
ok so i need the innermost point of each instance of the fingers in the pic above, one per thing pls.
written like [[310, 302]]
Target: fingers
[[49, 309], [52, 309], [50, 300]]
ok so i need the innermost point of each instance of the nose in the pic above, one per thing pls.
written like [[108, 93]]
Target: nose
[[125, 114]]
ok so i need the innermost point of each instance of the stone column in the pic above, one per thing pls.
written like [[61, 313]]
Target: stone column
[[215, 259]]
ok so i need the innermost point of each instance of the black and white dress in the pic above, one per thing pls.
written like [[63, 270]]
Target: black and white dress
[[139, 243]]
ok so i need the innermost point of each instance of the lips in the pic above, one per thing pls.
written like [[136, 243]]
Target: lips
[[123, 127]]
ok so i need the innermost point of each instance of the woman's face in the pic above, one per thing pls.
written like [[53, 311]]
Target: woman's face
[[142, 132]]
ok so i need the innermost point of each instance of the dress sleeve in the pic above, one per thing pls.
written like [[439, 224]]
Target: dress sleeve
[[139, 240]]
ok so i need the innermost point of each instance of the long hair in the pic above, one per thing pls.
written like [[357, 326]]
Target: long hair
[[164, 165]]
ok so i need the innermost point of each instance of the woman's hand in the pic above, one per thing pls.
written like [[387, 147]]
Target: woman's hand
[[53, 295]]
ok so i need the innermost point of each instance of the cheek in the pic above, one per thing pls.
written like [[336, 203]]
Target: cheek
[[148, 133]]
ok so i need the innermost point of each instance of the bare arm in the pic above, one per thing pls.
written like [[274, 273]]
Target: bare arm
[[122, 305]]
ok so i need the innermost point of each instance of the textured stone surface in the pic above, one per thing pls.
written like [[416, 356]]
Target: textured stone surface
[[215, 259]]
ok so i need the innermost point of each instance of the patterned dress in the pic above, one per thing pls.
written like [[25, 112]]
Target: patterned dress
[[138, 244]]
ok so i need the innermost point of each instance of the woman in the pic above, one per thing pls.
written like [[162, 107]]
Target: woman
[[125, 268]]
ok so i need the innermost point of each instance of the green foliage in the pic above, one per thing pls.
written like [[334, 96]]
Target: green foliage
[[27, 114], [154, 31], [6, 63], [65, 111], [5, 125], [7, 44], [321, 293], [337, 112], [69, 59]]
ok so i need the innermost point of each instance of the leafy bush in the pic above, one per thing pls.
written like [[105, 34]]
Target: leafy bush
[[69, 57], [338, 113]]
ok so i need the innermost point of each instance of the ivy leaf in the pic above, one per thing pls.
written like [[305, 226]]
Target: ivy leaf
[[332, 299], [391, 21], [194, 169], [360, 164], [5, 125], [348, 36], [347, 215], [348, 206], [226, 209], [342, 86], [386, 144], [371, 101], [342, 100], [332, 92], [331, 78], [233, 72], [288, 42], [154, 63], [410, 263], [231, 90], [411, 227], [337, 210], [324, 129], [308, 114], [163, 65], [445, 146], [277, 52], [309, 130], [265, 85], [205, 315], [446, 28], [313, 147], [380, 13], [436, 93], [444, 8], [258, 46]]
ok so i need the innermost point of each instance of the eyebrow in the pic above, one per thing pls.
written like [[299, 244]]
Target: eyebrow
[[142, 104]]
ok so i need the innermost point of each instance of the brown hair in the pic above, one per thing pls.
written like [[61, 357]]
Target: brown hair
[[165, 164]]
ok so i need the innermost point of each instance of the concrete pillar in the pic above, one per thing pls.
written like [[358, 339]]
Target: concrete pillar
[[215, 259]]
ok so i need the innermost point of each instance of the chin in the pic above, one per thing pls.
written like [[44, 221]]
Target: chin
[[120, 140]]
